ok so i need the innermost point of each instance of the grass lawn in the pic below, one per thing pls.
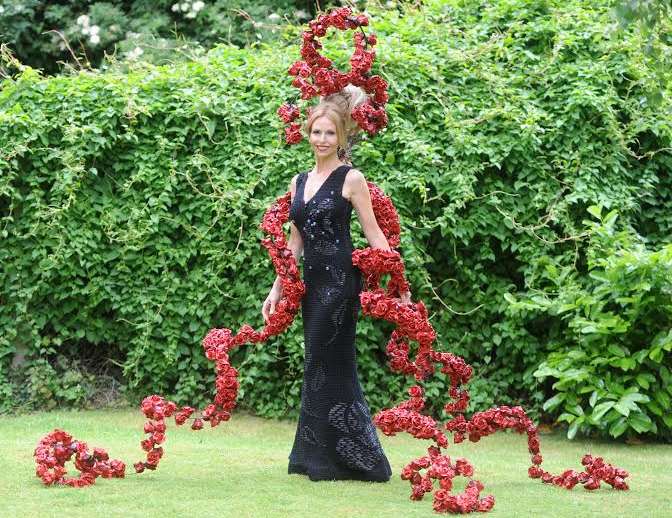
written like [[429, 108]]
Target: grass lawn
[[240, 469]]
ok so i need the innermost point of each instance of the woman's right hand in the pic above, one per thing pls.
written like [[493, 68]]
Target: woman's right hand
[[271, 301]]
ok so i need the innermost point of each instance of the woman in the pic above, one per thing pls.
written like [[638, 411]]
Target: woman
[[335, 437]]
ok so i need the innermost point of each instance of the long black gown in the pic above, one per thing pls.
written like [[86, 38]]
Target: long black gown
[[335, 437]]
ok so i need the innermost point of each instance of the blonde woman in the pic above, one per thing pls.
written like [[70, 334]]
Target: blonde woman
[[335, 437]]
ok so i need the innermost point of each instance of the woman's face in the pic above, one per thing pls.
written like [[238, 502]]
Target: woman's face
[[323, 137]]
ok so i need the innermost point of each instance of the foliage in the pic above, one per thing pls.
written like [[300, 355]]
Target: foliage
[[649, 13], [654, 19], [612, 336], [48, 383], [130, 203], [40, 32]]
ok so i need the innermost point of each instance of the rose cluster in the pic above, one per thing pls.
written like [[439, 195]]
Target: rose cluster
[[595, 471], [441, 468], [314, 75], [56, 448], [406, 417]]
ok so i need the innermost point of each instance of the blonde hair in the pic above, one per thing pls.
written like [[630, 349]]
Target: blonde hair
[[337, 108]]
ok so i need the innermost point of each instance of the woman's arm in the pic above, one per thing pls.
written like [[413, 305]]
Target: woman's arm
[[361, 201], [360, 197], [295, 242]]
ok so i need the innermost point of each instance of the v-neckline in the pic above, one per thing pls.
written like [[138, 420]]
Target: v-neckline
[[303, 187]]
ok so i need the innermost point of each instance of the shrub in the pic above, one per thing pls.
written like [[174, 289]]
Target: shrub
[[610, 351], [130, 203]]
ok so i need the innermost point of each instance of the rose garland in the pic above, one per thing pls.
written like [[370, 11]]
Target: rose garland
[[58, 447], [316, 76], [412, 323]]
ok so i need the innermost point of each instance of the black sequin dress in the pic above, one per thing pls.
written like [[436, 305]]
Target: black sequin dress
[[335, 437]]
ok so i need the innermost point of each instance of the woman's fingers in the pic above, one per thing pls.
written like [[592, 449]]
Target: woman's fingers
[[264, 310], [268, 309]]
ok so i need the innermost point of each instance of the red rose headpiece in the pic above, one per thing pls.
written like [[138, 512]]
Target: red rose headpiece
[[316, 76]]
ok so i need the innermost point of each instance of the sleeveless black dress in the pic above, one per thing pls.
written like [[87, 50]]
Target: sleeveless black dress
[[335, 437]]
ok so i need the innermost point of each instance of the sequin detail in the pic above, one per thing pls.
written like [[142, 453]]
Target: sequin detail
[[319, 377], [329, 294], [356, 455], [309, 436], [360, 449]]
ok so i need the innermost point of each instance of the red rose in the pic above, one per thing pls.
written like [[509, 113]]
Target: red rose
[[293, 134], [415, 391]]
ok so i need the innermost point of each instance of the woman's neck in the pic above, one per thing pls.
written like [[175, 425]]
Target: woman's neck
[[324, 165]]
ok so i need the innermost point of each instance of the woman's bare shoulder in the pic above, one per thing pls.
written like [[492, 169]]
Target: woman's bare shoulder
[[292, 183], [355, 178]]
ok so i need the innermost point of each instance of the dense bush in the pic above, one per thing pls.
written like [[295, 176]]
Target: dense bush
[[130, 203], [612, 335]]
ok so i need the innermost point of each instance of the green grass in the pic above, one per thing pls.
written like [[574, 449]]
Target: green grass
[[240, 469]]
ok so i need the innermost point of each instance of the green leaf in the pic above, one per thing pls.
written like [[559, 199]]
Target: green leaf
[[595, 210], [554, 401], [644, 380], [640, 422], [565, 416], [573, 428], [593, 398], [663, 399], [601, 409], [618, 427], [616, 350]]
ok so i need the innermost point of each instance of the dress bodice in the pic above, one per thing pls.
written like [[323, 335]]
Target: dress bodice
[[324, 225]]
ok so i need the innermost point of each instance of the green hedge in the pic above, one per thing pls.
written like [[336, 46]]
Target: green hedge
[[130, 203]]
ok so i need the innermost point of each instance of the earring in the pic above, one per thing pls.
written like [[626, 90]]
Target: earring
[[340, 152]]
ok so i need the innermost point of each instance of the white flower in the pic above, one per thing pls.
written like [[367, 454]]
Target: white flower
[[197, 6], [2, 9], [94, 29], [274, 17], [390, 3], [175, 7], [85, 30], [95, 39], [135, 53], [83, 20], [185, 6], [190, 14]]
